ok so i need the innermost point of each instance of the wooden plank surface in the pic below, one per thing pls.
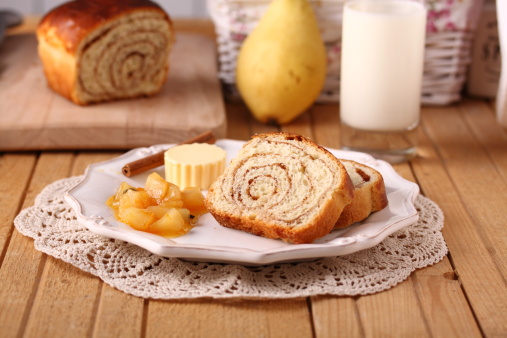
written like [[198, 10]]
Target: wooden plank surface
[[248, 318], [443, 302], [472, 195], [22, 266], [34, 117]]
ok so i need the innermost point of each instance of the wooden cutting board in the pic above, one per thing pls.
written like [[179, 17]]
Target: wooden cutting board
[[33, 117]]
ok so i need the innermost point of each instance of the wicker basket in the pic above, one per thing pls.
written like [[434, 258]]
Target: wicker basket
[[451, 24]]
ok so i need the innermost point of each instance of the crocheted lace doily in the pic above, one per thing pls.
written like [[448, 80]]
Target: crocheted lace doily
[[131, 269]]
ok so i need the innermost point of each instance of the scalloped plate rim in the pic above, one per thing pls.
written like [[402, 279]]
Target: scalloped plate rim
[[245, 256]]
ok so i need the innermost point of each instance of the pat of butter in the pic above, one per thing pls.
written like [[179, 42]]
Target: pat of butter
[[194, 165]]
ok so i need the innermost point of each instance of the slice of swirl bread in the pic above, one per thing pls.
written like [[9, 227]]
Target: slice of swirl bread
[[103, 50], [281, 186], [369, 194]]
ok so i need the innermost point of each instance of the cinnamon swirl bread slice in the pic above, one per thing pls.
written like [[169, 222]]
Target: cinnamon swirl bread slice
[[102, 50], [369, 193], [283, 186]]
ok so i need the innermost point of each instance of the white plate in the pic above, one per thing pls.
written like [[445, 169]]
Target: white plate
[[210, 242]]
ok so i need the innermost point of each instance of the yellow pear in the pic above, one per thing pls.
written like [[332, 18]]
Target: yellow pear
[[281, 66]]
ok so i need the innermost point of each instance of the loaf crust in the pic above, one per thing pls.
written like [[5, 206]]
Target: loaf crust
[[281, 186], [369, 194], [102, 50]]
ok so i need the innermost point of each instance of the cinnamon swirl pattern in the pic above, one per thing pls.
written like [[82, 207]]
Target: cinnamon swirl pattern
[[95, 51], [283, 186], [369, 193]]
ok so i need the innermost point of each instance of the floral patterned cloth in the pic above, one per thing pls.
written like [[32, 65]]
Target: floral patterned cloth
[[452, 15]]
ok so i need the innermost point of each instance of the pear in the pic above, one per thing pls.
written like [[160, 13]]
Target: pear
[[281, 66]]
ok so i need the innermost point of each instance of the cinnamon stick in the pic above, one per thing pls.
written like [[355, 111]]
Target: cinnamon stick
[[155, 160]]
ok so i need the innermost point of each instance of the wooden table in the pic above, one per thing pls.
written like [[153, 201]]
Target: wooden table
[[461, 165]]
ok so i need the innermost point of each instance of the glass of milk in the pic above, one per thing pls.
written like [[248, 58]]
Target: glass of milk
[[381, 77]]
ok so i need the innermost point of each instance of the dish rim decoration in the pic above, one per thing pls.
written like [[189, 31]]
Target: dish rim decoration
[[209, 242]]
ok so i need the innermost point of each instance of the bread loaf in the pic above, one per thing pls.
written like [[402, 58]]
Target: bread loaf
[[102, 50], [369, 193], [281, 185]]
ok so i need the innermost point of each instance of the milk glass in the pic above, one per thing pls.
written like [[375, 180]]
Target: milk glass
[[381, 77]]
